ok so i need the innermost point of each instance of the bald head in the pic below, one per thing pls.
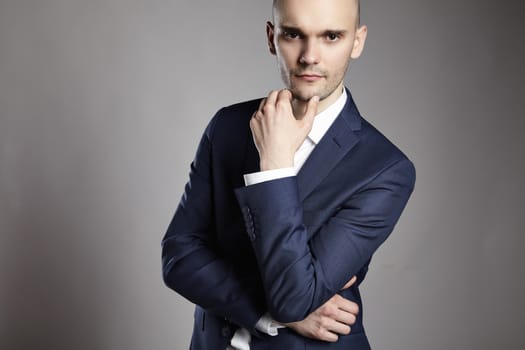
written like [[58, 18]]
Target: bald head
[[277, 4], [314, 42]]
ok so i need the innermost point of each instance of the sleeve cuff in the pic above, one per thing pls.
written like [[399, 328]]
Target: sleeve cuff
[[268, 326], [268, 175]]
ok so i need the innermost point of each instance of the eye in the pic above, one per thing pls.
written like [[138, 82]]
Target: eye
[[332, 36], [291, 35]]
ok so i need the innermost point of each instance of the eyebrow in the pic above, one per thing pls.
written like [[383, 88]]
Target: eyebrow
[[293, 29]]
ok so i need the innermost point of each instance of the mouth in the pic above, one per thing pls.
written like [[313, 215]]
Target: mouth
[[309, 77]]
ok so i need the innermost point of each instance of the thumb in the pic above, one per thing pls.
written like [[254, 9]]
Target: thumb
[[311, 109], [349, 283]]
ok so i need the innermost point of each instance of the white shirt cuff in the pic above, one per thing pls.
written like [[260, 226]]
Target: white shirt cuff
[[268, 326], [241, 340], [268, 175]]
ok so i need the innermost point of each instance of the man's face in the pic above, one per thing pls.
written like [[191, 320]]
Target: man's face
[[314, 41]]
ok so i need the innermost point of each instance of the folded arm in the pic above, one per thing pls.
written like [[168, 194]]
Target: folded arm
[[190, 263], [299, 274]]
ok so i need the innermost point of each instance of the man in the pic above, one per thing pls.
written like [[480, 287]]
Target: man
[[288, 198]]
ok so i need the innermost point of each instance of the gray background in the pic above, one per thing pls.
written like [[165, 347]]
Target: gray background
[[102, 104]]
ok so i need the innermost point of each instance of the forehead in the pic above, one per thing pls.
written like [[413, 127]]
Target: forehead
[[316, 14]]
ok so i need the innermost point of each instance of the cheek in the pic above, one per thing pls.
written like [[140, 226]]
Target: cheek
[[338, 59], [288, 53], [286, 62]]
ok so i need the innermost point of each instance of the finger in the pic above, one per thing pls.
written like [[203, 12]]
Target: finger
[[284, 101], [327, 336], [349, 283], [271, 99], [345, 317], [336, 327], [254, 125], [311, 109], [253, 122], [341, 328], [261, 105], [347, 305], [285, 95]]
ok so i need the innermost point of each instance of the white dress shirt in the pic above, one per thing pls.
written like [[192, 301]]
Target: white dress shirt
[[322, 122]]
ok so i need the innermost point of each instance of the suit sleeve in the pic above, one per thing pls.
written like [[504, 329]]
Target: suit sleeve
[[190, 264], [300, 274]]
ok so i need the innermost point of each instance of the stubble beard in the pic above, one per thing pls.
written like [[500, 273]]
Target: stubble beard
[[324, 90]]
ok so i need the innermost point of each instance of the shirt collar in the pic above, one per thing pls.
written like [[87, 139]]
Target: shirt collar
[[324, 120]]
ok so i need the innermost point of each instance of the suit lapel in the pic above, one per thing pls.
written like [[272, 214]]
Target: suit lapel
[[338, 140], [334, 145]]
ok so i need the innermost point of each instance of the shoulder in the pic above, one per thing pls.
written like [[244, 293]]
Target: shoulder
[[381, 153], [232, 118], [241, 107], [373, 147], [375, 139], [237, 112]]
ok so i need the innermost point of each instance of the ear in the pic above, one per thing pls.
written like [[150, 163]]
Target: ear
[[270, 31], [359, 42]]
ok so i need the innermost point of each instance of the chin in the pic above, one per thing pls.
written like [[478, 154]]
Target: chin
[[303, 95]]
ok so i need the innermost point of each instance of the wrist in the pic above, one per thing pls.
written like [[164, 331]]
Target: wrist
[[272, 164]]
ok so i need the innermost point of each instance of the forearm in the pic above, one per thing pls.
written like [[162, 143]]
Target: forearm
[[299, 274], [192, 269], [191, 263], [280, 244]]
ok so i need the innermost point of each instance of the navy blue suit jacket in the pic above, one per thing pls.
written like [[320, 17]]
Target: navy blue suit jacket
[[284, 246]]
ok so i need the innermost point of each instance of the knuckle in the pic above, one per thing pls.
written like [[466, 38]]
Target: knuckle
[[323, 323], [267, 108], [328, 312], [281, 102], [273, 93], [331, 312]]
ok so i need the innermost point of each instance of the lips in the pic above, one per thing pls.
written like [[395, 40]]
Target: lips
[[310, 77]]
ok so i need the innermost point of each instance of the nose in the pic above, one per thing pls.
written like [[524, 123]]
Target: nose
[[310, 53]]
